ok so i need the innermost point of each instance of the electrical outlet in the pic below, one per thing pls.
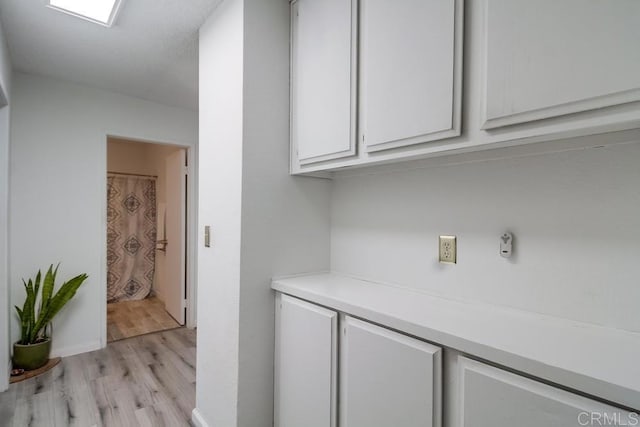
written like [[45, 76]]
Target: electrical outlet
[[447, 249]]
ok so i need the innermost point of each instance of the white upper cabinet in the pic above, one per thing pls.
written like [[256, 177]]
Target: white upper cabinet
[[410, 71], [381, 81], [323, 87], [549, 58]]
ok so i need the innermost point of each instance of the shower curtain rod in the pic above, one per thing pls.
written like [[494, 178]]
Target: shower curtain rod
[[131, 174]]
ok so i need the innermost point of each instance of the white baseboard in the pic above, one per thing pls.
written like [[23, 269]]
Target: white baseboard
[[76, 349], [4, 378], [197, 419], [158, 295]]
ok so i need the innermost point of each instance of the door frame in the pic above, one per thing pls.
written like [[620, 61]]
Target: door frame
[[5, 309], [191, 237]]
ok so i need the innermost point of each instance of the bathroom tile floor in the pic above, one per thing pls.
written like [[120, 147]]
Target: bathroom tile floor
[[127, 319]]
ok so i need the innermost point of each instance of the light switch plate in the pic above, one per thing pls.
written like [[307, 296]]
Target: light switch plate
[[448, 250], [207, 236]]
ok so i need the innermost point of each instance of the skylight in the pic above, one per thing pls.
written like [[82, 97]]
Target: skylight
[[99, 11]]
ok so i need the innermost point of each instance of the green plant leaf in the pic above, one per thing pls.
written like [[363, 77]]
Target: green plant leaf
[[32, 327], [28, 312], [36, 286], [23, 329], [64, 294], [47, 287]]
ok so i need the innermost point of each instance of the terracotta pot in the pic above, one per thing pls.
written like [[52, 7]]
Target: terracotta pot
[[31, 356]]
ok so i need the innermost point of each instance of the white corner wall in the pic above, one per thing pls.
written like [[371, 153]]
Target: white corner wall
[[285, 219], [264, 222], [220, 207], [5, 91], [58, 189], [575, 217]]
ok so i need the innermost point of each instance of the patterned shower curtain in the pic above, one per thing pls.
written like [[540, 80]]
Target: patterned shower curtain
[[131, 237]]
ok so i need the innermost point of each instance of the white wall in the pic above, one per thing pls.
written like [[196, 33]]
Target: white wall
[[146, 159], [264, 222], [285, 220], [58, 188], [5, 95], [575, 216], [220, 195]]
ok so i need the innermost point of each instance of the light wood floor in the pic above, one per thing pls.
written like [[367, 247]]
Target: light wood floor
[[143, 381], [132, 318]]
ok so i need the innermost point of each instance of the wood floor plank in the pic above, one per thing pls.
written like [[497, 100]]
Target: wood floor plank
[[148, 417], [147, 380], [36, 410], [74, 405], [171, 414], [8, 405], [173, 356], [180, 390], [109, 411]]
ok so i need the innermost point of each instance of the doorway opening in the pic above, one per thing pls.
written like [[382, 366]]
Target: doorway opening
[[147, 201]]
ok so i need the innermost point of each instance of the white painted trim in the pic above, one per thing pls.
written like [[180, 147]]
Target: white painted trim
[[585, 127], [4, 379], [276, 361], [102, 295], [192, 237], [291, 276], [109, 23], [587, 104], [536, 149], [77, 349], [198, 419]]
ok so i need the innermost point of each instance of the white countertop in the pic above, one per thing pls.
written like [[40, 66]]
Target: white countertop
[[599, 361]]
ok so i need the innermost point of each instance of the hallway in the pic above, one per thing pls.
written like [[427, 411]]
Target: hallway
[[142, 381]]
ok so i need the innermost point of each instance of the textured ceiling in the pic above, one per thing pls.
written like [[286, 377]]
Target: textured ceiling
[[150, 52]]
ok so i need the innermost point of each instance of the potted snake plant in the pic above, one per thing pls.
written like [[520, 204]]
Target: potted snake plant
[[34, 347]]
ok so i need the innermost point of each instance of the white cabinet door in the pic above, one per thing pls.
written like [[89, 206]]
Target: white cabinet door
[[491, 397], [306, 364], [387, 379], [410, 71], [323, 79], [548, 58]]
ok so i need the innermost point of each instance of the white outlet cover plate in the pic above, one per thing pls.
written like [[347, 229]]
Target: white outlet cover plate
[[447, 253]]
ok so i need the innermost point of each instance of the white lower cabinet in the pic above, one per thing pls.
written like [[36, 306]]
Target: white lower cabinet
[[335, 370], [387, 379], [306, 364], [492, 397]]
